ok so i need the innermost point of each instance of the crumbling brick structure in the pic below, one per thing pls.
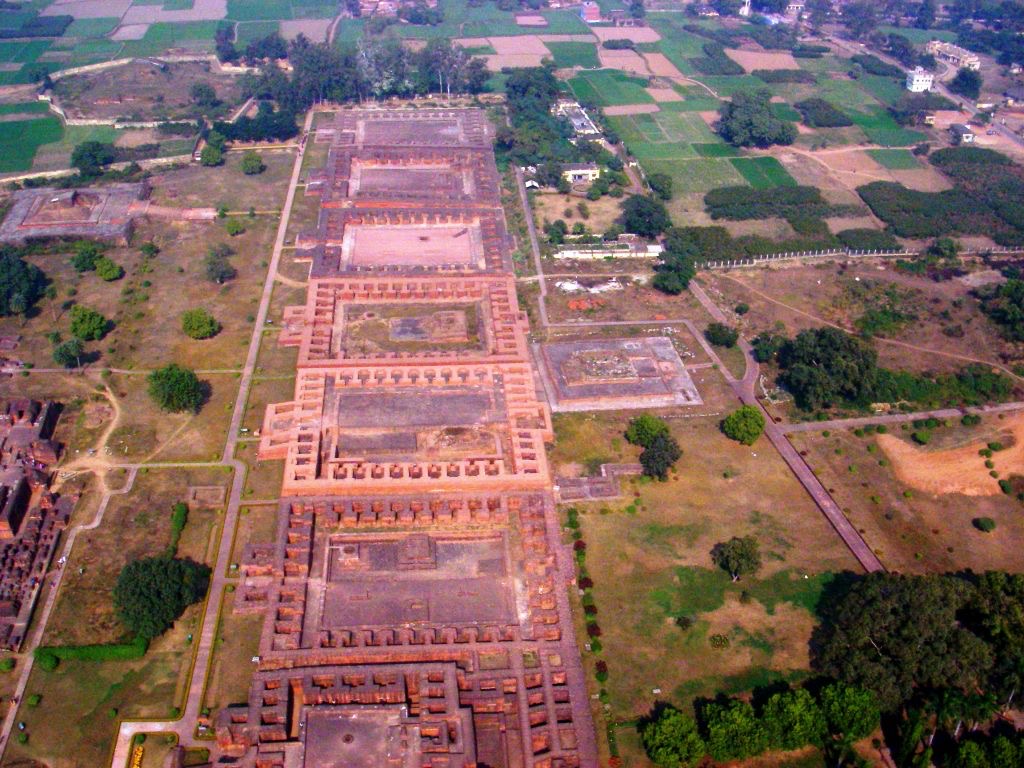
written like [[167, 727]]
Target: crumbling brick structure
[[416, 595]]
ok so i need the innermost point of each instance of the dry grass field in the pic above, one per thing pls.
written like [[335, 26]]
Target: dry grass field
[[551, 206], [874, 478]]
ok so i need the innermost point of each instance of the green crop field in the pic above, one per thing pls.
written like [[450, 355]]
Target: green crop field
[[697, 174], [894, 159], [920, 36], [19, 140], [763, 172], [574, 55], [715, 150], [264, 10], [249, 31], [91, 27], [880, 128], [197, 35], [24, 107], [610, 87]]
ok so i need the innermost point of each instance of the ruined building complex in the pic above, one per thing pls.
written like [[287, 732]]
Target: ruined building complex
[[31, 517], [416, 596]]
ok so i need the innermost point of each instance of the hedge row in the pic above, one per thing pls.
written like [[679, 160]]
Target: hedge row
[[784, 76], [875, 66], [48, 655], [739, 203]]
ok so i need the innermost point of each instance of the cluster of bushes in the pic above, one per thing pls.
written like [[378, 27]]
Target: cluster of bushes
[[721, 335], [728, 729], [819, 113], [38, 26], [715, 62], [268, 125], [985, 199], [179, 516], [748, 120], [716, 243], [738, 203], [677, 264], [92, 157], [618, 44], [660, 449], [911, 108], [89, 257], [1004, 305], [785, 76], [826, 367], [22, 284], [867, 240], [809, 51], [875, 66]]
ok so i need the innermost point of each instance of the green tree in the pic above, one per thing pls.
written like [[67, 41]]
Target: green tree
[[1004, 304], [849, 711], [967, 83], [825, 366], [739, 556], [672, 740], [108, 270], [216, 266], [747, 120], [860, 18], [234, 227], [733, 730], [87, 253], [211, 156], [721, 335], [88, 324], [68, 354], [645, 216], [92, 157], [644, 428], [793, 720], [661, 185], [203, 95], [744, 425], [199, 324], [659, 456], [252, 163], [175, 389], [766, 345], [21, 284], [150, 594]]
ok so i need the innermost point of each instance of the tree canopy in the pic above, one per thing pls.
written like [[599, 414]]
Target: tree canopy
[[644, 428], [747, 120], [824, 366], [744, 425], [199, 324], [659, 456], [1004, 305], [721, 335], [966, 83], [645, 216], [150, 594], [91, 157], [88, 324], [175, 389], [739, 556], [21, 284], [252, 164], [672, 740]]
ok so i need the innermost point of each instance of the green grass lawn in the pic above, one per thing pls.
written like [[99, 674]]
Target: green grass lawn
[[249, 31], [678, 45], [920, 36], [715, 150], [56, 152], [763, 172], [574, 55], [348, 31], [24, 107], [610, 87], [880, 128], [697, 174], [895, 159], [785, 112], [19, 140], [264, 10]]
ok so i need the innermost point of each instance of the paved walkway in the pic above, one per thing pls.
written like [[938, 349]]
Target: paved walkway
[[205, 641]]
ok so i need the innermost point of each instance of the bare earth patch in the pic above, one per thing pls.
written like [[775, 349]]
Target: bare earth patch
[[497, 63], [839, 223], [201, 10], [662, 95], [636, 34], [660, 65], [632, 109], [137, 138], [626, 60], [956, 470], [531, 20], [314, 29], [130, 32], [751, 60], [88, 9], [519, 45]]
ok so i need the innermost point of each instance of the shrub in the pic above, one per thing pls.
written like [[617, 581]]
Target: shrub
[[749, 203], [742, 308], [87, 253], [721, 335], [252, 164], [234, 227], [199, 324], [643, 429], [744, 425], [108, 270], [868, 240], [875, 66], [211, 156], [921, 436], [33, 699], [819, 113], [88, 324], [6, 664]]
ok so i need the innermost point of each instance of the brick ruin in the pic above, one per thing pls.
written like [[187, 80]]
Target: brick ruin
[[31, 517], [416, 595], [103, 213]]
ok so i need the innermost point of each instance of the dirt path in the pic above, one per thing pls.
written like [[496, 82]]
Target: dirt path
[[880, 339]]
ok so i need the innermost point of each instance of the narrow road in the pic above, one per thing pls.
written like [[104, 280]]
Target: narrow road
[[744, 390], [53, 583], [531, 228], [206, 638]]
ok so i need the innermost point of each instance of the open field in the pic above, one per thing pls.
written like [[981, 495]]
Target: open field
[[238, 640], [763, 172], [914, 530], [946, 317], [572, 54], [602, 213], [21, 139], [895, 159], [609, 87], [648, 556]]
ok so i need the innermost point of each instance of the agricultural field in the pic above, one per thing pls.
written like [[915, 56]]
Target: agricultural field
[[573, 54], [20, 139], [609, 87], [895, 159], [763, 172]]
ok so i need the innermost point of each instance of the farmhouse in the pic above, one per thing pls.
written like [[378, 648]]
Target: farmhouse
[[954, 54], [919, 80], [582, 125], [961, 134], [578, 173], [590, 12]]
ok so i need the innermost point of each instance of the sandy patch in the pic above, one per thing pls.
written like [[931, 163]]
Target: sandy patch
[[663, 94], [926, 179], [751, 60], [314, 29], [839, 223], [130, 32], [660, 65], [804, 129], [473, 42], [496, 63], [89, 9], [956, 470], [201, 10], [710, 117], [632, 109], [519, 45], [627, 61], [636, 34], [132, 138]]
